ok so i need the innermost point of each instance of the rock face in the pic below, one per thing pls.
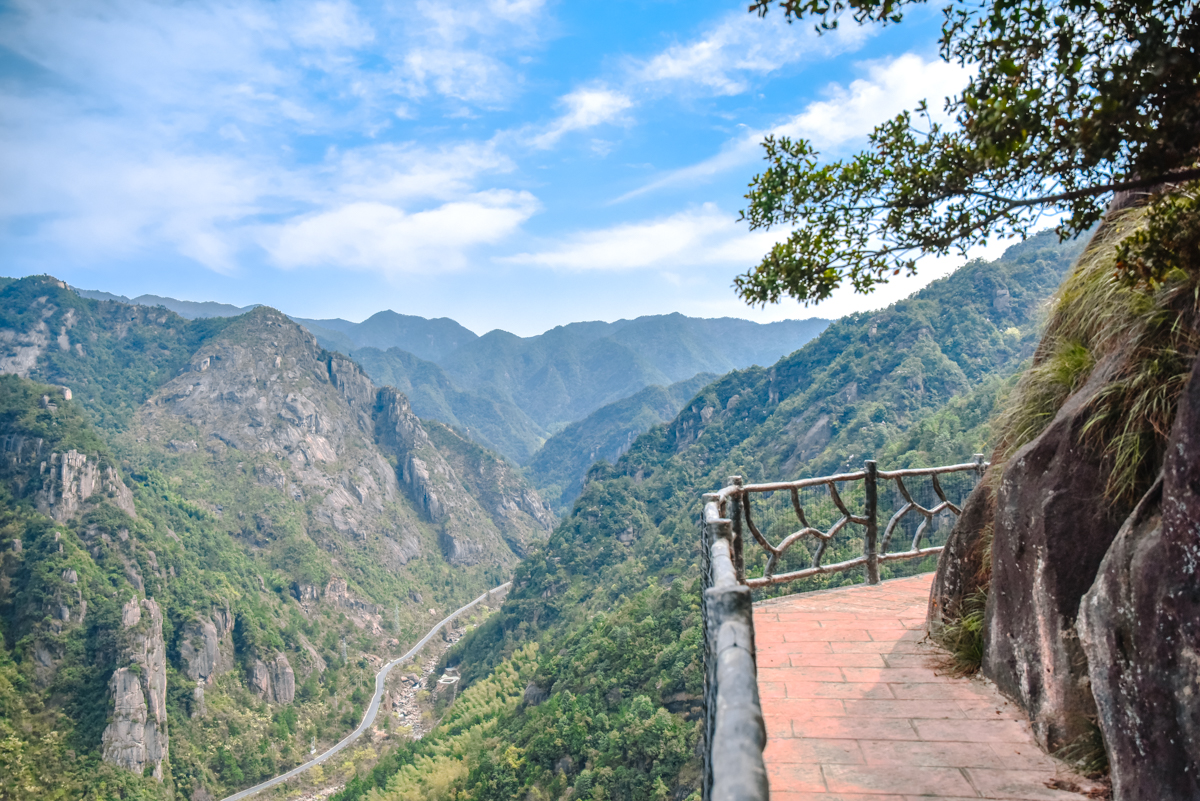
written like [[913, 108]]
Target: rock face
[[465, 531], [960, 571], [274, 681], [1053, 526], [1140, 628], [283, 680], [137, 736], [64, 481], [72, 478], [206, 647]]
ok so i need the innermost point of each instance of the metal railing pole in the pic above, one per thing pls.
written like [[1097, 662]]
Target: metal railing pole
[[871, 513]]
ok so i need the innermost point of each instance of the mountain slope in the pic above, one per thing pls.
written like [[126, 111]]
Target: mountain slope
[[560, 466], [495, 423], [234, 509], [568, 372], [613, 596]]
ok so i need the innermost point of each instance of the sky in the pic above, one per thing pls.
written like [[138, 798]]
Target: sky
[[515, 164]]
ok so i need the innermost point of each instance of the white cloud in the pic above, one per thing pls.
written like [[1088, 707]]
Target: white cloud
[[725, 58], [586, 108], [184, 127], [846, 116], [705, 235], [889, 88], [331, 24], [382, 238]]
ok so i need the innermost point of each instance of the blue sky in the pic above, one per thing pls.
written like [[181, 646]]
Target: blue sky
[[513, 164]]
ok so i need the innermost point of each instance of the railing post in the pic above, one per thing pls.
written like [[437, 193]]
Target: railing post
[[735, 515], [979, 464], [871, 513]]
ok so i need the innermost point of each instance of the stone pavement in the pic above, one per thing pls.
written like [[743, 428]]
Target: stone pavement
[[857, 710]]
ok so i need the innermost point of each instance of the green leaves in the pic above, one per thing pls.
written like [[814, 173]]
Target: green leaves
[[1067, 105]]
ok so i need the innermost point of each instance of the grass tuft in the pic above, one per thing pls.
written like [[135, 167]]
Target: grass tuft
[[1087, 752], [962, 636]]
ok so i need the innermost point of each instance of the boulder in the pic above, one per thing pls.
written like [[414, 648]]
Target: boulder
[[1053, 526], [961, 571], [1140, 628]]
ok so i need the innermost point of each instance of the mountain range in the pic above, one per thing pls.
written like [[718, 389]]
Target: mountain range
[[512, 393]]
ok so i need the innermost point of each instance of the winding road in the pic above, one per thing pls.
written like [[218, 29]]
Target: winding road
[[372, 710]]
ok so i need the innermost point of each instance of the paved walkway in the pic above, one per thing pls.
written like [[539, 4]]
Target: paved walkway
[[856, 709]]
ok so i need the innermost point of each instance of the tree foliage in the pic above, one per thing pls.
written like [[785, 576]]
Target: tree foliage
[[1070, 102]]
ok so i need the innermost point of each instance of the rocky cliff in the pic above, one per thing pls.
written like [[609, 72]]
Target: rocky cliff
[[1087, 559], [136, 739], [64, 482]]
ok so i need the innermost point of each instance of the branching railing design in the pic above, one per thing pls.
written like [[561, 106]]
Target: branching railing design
[[733, 730]]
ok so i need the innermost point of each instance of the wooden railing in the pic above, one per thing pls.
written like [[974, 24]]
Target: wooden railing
[[733, 727]]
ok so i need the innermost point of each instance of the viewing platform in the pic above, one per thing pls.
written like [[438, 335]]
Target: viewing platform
[[838, 695], [857, 708]]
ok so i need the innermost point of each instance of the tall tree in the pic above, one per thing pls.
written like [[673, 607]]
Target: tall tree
[[1071, 103]]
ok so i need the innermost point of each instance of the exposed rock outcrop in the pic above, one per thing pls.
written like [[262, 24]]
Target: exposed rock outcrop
[[465, 532], [64, 481], [273, 681], [137, 736], [206, 647], [1053, 526], [1140, 628], [283, 680]]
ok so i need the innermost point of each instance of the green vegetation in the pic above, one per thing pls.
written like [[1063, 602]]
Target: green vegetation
[[1147, 331], [560, 466], [613, 601], [512, 393], [962, 637]]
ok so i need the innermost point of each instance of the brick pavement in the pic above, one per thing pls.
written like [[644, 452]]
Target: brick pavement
[[856, 709]]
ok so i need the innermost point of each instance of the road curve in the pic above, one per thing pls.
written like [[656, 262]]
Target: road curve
[[372, 710]]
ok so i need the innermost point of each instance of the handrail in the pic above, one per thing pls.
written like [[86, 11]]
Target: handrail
[[734, 733], [733, 714]]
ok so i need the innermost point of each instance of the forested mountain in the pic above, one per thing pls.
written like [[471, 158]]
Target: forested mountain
[[568, 372], [432, 340], [209, 529], [512, 393], [561, 465], [610, 707]]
